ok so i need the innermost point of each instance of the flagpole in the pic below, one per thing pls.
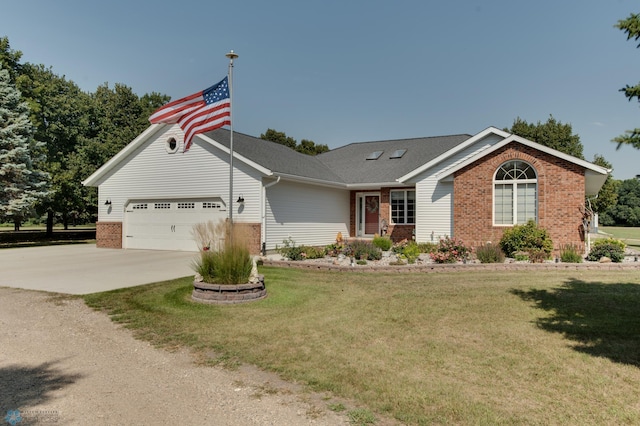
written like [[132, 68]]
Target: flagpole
[[231, 55]]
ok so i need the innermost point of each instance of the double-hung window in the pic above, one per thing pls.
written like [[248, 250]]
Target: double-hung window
[[515, 194], [403, 207]]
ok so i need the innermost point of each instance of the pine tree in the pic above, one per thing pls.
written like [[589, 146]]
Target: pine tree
[[21, 184]]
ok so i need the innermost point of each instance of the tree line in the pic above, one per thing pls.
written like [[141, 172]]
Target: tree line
[[53, 135]]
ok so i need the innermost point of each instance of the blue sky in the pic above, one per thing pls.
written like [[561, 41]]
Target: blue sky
[[337, 72]]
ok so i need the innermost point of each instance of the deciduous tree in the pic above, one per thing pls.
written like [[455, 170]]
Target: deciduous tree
[[305, 147], [553, 134]]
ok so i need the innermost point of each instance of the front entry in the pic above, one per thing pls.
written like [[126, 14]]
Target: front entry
[[367, 214]]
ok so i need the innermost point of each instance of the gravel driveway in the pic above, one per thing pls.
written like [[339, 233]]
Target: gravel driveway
[[63, 363]]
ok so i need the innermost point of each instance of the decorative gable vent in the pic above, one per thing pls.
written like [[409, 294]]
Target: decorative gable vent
[[374, 155], [398, 153]]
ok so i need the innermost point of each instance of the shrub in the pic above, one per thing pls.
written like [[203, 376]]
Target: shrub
[[410, 252], [427, 247], [609, 247], [399, 246], [570, 253], [450, 250], [490, 253], [334, 249], [537, 255], [383, 243], [363, 250], [526, 238], [293, 252]]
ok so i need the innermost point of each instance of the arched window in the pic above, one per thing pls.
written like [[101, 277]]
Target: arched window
[[515, 193]]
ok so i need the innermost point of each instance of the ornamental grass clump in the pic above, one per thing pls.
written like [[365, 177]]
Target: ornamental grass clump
[[570, 253], [450, 250], [224, 253], [364, 250], [490, 253]]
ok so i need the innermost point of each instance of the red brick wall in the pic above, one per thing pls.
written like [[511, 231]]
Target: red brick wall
[[252, 232], [109, 235], [560, 197]]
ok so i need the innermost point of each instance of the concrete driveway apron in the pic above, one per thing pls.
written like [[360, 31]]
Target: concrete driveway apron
[[84, 268]]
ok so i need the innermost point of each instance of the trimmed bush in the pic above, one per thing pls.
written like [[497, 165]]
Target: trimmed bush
[[607, 247], [383, 243], [490, 253], [527, 238]]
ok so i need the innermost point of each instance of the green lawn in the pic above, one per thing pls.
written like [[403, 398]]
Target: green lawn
[[631, 236], [463, 348]]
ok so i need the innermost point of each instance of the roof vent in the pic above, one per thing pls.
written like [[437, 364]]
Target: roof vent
[[398, 153], [374, 155]]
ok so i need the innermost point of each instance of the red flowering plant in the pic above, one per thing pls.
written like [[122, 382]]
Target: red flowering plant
[[450, 250]]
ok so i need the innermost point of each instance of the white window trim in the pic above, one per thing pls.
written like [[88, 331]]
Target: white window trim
[[514, 183], [415, 206]]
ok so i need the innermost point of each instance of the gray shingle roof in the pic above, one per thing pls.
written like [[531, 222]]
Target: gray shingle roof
[[351, 164], [275, 157], [344, 165]]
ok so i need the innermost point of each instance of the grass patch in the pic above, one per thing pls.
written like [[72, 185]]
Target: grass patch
[[545, 347], [629, 235]]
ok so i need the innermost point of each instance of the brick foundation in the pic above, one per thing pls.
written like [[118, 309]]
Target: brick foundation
[[109, 235], [560, 197], [251, 231]]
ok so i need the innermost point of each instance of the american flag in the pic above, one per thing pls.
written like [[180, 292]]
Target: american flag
[[198, 113]]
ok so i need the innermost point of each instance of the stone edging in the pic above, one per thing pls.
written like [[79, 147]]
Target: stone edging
[[228, 294], [457, 267]]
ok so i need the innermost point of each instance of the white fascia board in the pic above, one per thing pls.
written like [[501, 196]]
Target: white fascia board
[[312, 181], [370, 186], [124, 153], [473, 139], [514, 138], [236, 156]]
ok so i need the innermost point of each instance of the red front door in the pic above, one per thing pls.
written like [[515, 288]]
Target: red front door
[[371, 214]]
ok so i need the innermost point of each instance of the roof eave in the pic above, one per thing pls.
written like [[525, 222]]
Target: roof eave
[[237, 156]]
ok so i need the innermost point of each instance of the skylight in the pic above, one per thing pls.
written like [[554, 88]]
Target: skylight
[[398, 153], [374, 155]]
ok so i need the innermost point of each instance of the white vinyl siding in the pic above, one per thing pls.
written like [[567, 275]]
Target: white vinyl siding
[[307, 214], [203, 171]]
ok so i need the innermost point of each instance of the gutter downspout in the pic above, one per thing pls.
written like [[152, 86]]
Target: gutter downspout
[[263, 237]]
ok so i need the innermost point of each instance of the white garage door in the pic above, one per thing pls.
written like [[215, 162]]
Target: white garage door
[[168, 224]]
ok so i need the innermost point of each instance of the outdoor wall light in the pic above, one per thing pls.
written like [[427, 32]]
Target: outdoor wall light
[[240, 199], [108, 202]]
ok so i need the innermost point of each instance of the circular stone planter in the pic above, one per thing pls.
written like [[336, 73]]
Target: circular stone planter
[[224, 294]]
